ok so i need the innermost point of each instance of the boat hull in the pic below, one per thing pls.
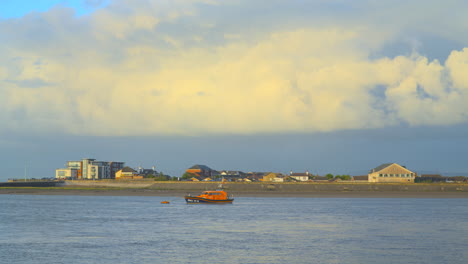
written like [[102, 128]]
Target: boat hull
[[194, 199]]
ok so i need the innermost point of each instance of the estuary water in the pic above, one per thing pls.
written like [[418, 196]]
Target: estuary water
[[128, 229]]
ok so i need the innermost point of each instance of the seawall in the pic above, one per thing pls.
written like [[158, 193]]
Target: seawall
[[256, 187], [31, 184]]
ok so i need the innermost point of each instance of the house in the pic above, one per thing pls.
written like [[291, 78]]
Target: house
[[233, 176], [127, 173], [255, 176], [300, 176], [67, 173], [391, 172], [336, 179], [252, 179], [273, 177], [201, 171], [233, 173], [147, 172]]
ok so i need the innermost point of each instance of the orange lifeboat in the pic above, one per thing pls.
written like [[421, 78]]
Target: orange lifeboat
[[165, 202], [218, 196]]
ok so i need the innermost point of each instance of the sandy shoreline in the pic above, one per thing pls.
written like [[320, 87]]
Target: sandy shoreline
[[180, 193]]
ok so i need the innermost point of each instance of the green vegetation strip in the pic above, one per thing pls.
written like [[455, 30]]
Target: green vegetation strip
[[71, 188]]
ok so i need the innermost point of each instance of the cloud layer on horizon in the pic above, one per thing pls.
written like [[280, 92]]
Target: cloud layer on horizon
[[197, 67]]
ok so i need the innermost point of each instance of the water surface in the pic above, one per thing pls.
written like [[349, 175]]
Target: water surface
[[103, 229]]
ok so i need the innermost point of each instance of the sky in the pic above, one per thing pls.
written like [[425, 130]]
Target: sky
[[329, 86]]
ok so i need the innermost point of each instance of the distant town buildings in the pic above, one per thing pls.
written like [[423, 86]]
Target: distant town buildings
[[89, 169], [385, 173], [92, 169]]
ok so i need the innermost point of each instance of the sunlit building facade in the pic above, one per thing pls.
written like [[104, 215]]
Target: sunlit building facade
[[89, 169], [391, 172]]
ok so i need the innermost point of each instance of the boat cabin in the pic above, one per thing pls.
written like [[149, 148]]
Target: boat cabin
[[214, 195], [218, 196]]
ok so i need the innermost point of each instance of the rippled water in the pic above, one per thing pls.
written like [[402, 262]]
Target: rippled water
[[102, 229]]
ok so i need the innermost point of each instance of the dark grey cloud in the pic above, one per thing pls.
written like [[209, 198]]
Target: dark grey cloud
[[424, 149]]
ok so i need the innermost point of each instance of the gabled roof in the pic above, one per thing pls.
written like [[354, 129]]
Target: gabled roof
[[381, 167], [391, 168], [200, 167], [299, 174], [128, 169], [274, 174]]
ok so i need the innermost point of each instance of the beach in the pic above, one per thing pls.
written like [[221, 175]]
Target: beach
[[181, 193], [257, 189]]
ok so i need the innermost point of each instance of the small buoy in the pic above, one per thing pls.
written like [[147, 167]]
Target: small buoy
[[165, 202]]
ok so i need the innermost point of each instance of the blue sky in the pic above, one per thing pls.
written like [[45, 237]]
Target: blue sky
[[19, 8], [320, 85]]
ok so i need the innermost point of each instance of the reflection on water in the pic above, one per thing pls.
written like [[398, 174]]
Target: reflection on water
[[86, 229]]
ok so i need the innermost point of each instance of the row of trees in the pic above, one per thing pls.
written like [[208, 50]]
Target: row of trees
[[188, 175], [161, 177], [344, 177], [330, 176]]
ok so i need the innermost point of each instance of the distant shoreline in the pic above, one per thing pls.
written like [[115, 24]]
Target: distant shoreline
[[260, 189], [180, 193]]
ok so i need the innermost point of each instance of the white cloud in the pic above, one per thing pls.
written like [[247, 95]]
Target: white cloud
[[457, 65], [157, 69]]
